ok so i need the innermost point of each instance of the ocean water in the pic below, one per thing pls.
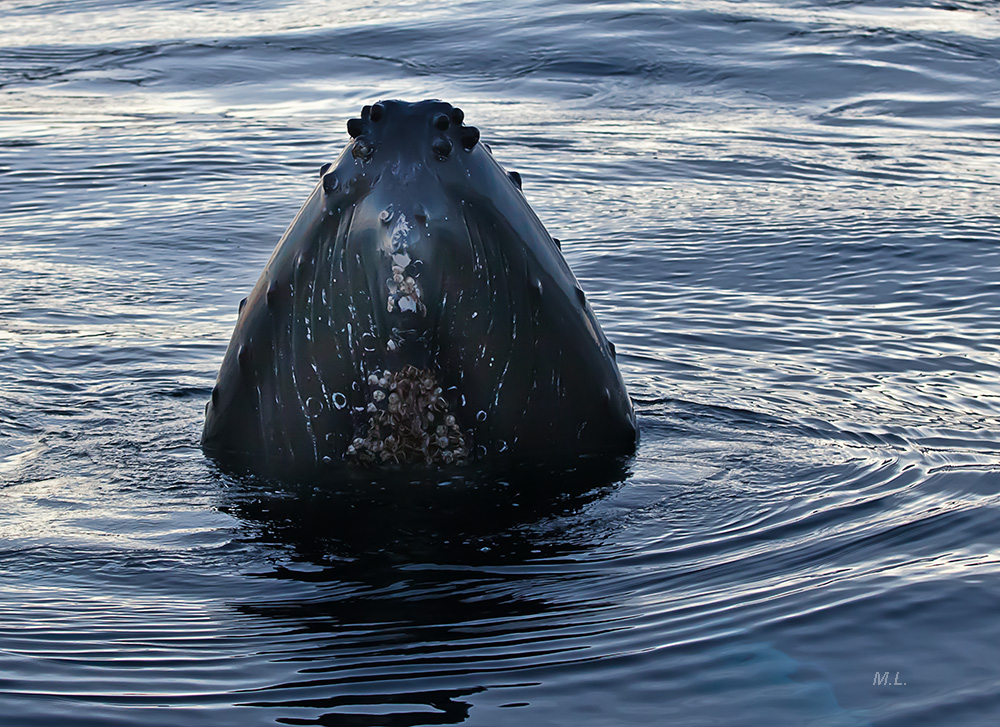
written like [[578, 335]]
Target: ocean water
[[786, 215]]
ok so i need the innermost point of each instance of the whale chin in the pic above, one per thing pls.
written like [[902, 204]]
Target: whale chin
[[416, 313]]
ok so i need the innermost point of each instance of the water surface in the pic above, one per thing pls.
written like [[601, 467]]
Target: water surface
[[785, 215]]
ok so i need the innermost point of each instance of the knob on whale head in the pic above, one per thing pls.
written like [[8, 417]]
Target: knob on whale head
[[435, 127], [425, 143]]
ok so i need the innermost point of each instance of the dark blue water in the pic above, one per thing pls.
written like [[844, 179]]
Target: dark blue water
[[787, 218]]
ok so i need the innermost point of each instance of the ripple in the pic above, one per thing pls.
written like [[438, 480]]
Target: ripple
[[784, 217]]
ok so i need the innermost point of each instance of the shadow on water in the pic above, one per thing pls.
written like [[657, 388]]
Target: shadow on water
[[402, 597]]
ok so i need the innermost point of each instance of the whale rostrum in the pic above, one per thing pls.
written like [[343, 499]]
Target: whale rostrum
[[416, 312]]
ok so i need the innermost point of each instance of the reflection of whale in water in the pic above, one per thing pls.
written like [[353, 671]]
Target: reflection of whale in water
[[416, 312], [473, 516], [406, 601]]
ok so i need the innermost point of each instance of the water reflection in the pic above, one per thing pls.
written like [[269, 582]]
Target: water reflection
[[402, 598], [469, 517]]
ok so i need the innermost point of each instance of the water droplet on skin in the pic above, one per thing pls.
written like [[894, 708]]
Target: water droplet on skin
[[481, 416], [339, 400]]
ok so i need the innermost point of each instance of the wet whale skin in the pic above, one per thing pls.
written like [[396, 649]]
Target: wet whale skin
[[416, 312]]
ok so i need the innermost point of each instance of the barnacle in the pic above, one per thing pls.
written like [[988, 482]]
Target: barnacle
[[402, 426]]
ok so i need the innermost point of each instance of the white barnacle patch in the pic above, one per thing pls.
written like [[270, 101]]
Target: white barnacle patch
[[399, 236], [404, 293]]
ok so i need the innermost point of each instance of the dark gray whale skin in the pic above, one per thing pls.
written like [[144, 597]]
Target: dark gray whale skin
[[416, 270]]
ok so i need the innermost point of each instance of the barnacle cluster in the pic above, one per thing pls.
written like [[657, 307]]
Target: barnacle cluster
[[409, 422]]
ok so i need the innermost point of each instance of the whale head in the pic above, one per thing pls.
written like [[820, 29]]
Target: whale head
[[416, 313]]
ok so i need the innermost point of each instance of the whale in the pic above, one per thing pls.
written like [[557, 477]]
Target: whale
[[416, 314]]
